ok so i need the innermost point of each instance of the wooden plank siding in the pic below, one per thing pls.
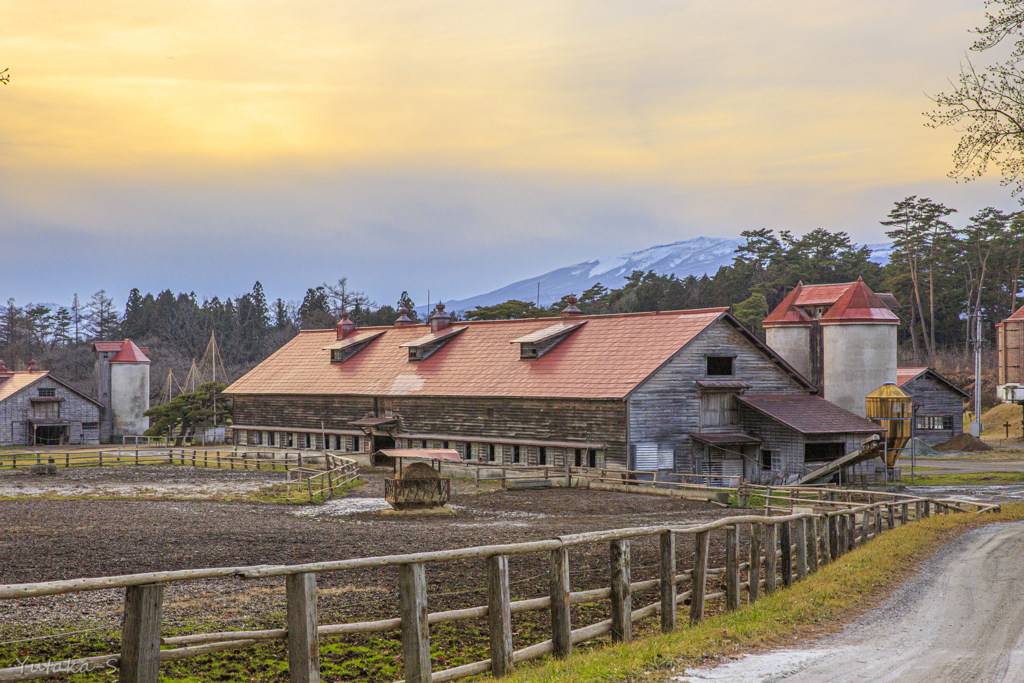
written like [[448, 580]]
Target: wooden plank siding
[[937, 400], [665, 407], [458, 419], [17, 410]]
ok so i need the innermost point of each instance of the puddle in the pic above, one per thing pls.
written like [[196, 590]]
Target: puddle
[[343, 506], [774, 666], [994, 493]]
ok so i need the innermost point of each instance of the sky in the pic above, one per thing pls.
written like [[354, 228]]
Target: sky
[[451, 146]]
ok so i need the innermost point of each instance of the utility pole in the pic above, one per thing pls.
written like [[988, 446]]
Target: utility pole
[[976, 424]]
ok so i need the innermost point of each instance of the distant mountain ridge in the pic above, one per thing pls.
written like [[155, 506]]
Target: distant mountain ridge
[[697, 257]]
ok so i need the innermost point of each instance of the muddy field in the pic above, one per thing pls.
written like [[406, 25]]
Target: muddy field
[[55, 538]]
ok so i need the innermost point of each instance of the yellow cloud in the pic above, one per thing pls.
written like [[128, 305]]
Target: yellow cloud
[[714, 93]]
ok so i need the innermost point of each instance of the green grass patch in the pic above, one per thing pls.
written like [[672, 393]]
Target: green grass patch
[[933, 477], [839, 589]]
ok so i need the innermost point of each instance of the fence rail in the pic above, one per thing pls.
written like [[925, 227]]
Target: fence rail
[[787, 548]]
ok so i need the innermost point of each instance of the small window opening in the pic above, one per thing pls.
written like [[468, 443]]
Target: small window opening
[[542, 455], [356, 446], [591, 457], [490, 452], [515, 453], [766, 461], [719, 366], [490, 412], [579, 457], [527, 351], [47, 392], [445, 445]]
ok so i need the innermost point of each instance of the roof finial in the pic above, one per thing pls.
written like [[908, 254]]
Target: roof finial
[[345, 326], [32, 365], [572, 310], [403, 318]]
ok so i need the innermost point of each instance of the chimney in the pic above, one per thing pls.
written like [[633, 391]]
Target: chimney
[[440, 320], [4, 372], [571, 311], [403, 319], [345, 326], [32, 366]]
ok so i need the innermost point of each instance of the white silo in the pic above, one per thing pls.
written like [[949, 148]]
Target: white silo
[[859, 348], [129, 391], [787, 331]]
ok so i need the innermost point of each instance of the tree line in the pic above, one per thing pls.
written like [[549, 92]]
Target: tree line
[[942, 276]]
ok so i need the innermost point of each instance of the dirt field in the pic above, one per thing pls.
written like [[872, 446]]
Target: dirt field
[[58, 538]]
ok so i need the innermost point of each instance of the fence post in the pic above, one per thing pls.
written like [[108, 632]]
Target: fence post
[[904, 514], [67, 460], [927, 507], [770, 561], [865, 526], [136, 456], [754, 574], [812, 549], [732, 568], [668, 581], [786, 543], [833, 537], [499, 615], [101, 461], [412, 590], [879, 512], [699, 577], [561, 624], [622, 603], [303, 641], [851, 531], [193, 458], [800, 538], [140, 634]]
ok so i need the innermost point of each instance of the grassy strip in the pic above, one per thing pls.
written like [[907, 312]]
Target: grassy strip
[[933, 478], [841, 587]]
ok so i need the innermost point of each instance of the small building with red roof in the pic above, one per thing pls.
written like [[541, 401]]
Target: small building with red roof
[[646, 392], [122, 386], [38, 409], [840, 336]]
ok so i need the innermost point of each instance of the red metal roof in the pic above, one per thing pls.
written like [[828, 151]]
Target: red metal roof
[[810, 414], [1017, 315], [787, 313], [129, 353], [822, 295], [422, 453], [106, 346], [859, 304], [606, 358], [904, 375]]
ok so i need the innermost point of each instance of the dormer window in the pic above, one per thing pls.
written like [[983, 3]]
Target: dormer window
[[343, 349], [536, 344], [425, 346], [720, 366]]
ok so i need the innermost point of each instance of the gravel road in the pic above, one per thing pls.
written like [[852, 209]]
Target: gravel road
[[960, 620]]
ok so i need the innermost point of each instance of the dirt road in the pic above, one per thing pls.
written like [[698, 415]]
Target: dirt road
[[961, 620]]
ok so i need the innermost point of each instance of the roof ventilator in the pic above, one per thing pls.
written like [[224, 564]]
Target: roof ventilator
[[350, 341], [536, 344], [423, 347]]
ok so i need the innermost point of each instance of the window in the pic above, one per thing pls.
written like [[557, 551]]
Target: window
[[47, 392], [542, 455], [824, 452], [445, 444], [719, 366], [515, 453], [259, 438], [291, 440], [717, 409], [934, 422], [490, 412], [579, 457], [309, 441], [90, 426], [490, 452], [766, 461], [356, 446], [591, 457]]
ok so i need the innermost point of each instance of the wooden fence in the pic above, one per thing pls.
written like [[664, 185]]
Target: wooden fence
[[785, 548]]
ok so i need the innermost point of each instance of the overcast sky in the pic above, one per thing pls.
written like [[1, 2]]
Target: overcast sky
[[455, 146]]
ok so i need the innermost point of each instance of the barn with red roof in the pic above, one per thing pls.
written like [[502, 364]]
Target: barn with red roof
[[645, 392]]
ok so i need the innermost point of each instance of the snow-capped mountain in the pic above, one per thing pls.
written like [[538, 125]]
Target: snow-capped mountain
[[689, 257]]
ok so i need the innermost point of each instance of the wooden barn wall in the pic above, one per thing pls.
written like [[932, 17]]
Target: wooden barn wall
[[938, 400], [667, 405], [458, 419], [17, 409], [785, 441]]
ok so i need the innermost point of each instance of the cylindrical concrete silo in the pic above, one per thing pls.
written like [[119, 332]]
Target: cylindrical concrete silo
[[129, 391], [787, 331], [858, 348]]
